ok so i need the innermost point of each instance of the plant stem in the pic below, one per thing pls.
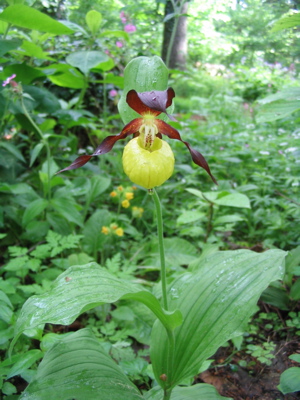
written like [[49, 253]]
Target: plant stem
[[44, 140], [160, 233]]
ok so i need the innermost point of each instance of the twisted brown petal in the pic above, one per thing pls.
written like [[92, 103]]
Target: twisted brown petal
[[197, 157], [106, 145], [154, 102]]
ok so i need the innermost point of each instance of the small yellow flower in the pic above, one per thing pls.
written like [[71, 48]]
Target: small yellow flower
[[113, 194], [105, 230], [129, 195], [114, 226], [137, 212], [125, 203], [119, 232], [120, 188]]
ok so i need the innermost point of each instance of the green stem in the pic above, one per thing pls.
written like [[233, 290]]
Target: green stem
[[160, 233], [170, 333], [44, 140], [6, 31]]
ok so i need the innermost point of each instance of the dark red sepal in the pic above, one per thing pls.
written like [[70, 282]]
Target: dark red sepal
[[197, 157], [154, 102], [79, 162], [107, 144]]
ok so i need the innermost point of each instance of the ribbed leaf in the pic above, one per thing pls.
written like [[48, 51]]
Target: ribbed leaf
[[201, 391], [81, 288], [77, 368], [27, 17], [290, 380], [216, 300], [142, 74]]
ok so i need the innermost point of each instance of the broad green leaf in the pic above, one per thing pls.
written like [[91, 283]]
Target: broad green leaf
[[81, 288], [93, 19], [86, 60], [276, 297], [189, 216], [287, 21], [66, 76], [295, 290], [178, 252], [35, 152], [33, 210], [276, 110], [98, 185], [295, 357], [66, 206], [290, 93], [25, 73], [115, 80], [93, 238], [12, 149], [24, 362], [238, 200], [7, 45], [223, 198], [142, 74], [117, 34], [290, 380], [104, 66], [201, 391], [30, 18], [31, 49], [45, 101], [77, 367], [216, 301]]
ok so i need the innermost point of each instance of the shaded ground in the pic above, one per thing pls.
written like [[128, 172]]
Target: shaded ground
[[258, 383]]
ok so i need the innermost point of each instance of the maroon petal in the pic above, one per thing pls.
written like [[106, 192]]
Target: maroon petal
[[197, 157], [154, 102], [106, 145]]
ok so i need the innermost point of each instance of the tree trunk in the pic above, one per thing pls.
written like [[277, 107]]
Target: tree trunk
[[178, 52]]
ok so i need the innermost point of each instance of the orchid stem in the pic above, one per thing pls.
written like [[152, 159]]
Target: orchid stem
[[160, 233]]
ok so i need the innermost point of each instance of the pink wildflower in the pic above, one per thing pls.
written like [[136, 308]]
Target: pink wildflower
[[129, 28], [113, 93], [123, 18], [8, 80], [119, 44]]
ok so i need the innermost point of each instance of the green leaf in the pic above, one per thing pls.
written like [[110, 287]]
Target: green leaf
[[295, 357], [227, 219], [25, 73], [65, 76], [117, 34], [33, 50], [189, 216], [216, 301], [7, 45], [66, 206], [177, 252], [201, 391], [77, 367], [98, 185], [223, 198], [35, 152], [30, 18], [290, 380], [46, 102], [86, 60], [288, 21], [93, 239], [24, 362], [12, 149], [82, 288], [93, 19], [142, 74], [33, 210], [295, 290], [276, 110]]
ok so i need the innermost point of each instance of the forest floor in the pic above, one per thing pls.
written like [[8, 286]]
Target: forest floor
[[258, 382]]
